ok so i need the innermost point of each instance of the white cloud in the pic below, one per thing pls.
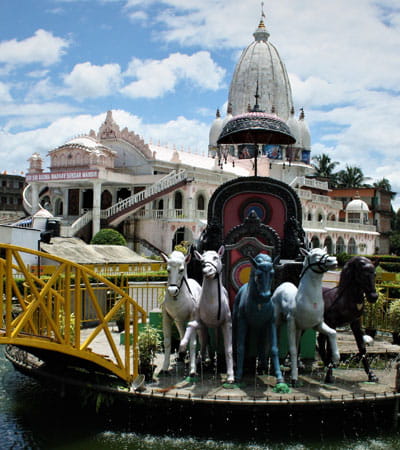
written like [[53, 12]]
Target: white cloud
[[154, 78], [20, 146], [42, 90], [30, 115], [42, 48], [5, 95], [90, 81]]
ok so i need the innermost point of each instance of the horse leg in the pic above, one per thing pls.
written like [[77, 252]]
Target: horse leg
[[203, 338], [359, 337], [325, 353], [167, 325], [331, 333], [273, 342], [190, 329], [292, 333], [262, 347], [322, 350], [241, 332], [227, 332], [192, 347]]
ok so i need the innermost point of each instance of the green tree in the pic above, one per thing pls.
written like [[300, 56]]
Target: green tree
[[384, 183], [395, 243], [351, 177], [108, 236], [324, 167]]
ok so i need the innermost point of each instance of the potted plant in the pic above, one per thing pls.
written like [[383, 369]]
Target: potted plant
[[149, 344], [394, 320]]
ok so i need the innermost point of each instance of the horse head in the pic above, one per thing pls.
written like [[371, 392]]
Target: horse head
[[317, 260], [360, 271], [211, 262], [176, 268], [261, 274]]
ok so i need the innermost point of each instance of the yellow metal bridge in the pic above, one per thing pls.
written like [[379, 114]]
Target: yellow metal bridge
[[49, 314]]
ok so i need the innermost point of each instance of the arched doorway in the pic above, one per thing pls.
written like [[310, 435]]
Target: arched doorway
[[106, 199], [178, 200], [87, 199], [352, 247], [340, 247], [315, 242], [58, 207], [329, 245], [182, 234], [123, 193]]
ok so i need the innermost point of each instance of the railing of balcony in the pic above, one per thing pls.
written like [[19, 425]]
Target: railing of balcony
[[171, 214], [339, 225]]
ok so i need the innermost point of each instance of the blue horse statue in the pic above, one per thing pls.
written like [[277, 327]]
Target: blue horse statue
[[254, 310]]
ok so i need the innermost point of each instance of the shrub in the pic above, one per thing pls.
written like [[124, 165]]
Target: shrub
[[108, 236]]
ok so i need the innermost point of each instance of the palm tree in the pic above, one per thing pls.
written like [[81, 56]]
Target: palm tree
[[324, 168], [351, 177]]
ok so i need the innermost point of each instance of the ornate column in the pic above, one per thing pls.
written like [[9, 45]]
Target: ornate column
[[65, 201], [96, 206]]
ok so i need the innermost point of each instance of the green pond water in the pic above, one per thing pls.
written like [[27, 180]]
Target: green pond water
[[33, 416]]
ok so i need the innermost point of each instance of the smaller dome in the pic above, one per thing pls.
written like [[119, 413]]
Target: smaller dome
[[293, 124], [304, 132], [215, 130], [357, 205], [228, 116], [43, 213]]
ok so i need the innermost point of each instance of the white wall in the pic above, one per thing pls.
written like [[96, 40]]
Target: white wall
[[22, 237]]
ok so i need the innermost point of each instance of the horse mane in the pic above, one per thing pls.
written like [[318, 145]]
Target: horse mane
[[347, 278]]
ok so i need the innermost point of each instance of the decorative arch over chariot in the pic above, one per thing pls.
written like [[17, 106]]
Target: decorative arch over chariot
[[252, 215]]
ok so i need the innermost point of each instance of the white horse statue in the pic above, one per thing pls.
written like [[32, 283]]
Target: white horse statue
[[213, 309], [181, 298], [303, 307]]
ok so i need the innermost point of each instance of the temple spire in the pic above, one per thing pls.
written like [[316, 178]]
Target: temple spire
[[261, 34]]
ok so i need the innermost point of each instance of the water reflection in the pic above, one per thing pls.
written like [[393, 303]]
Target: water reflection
[[36, 417]]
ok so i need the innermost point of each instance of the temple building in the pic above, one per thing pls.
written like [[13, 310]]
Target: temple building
[[158, 196]]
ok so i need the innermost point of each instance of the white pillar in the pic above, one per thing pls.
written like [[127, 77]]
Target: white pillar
[[96, 207], [65, 201]]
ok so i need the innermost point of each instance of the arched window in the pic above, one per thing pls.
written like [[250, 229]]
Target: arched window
[[309, 216], [201, 203]]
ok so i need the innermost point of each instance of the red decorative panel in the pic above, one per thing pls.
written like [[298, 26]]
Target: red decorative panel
[[269, 208]]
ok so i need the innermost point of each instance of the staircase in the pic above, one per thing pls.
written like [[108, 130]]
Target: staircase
[[121, 210], [80, 222]]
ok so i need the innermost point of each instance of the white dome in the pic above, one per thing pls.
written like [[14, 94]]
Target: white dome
[[357, 205], [215, 130], [260, 64]]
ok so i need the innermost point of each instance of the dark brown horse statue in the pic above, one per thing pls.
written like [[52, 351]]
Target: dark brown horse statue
[[344, 305]]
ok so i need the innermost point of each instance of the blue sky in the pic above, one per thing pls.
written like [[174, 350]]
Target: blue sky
[[164, 67]]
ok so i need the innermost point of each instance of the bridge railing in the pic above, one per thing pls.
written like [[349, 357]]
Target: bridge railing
[[49, 313]]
